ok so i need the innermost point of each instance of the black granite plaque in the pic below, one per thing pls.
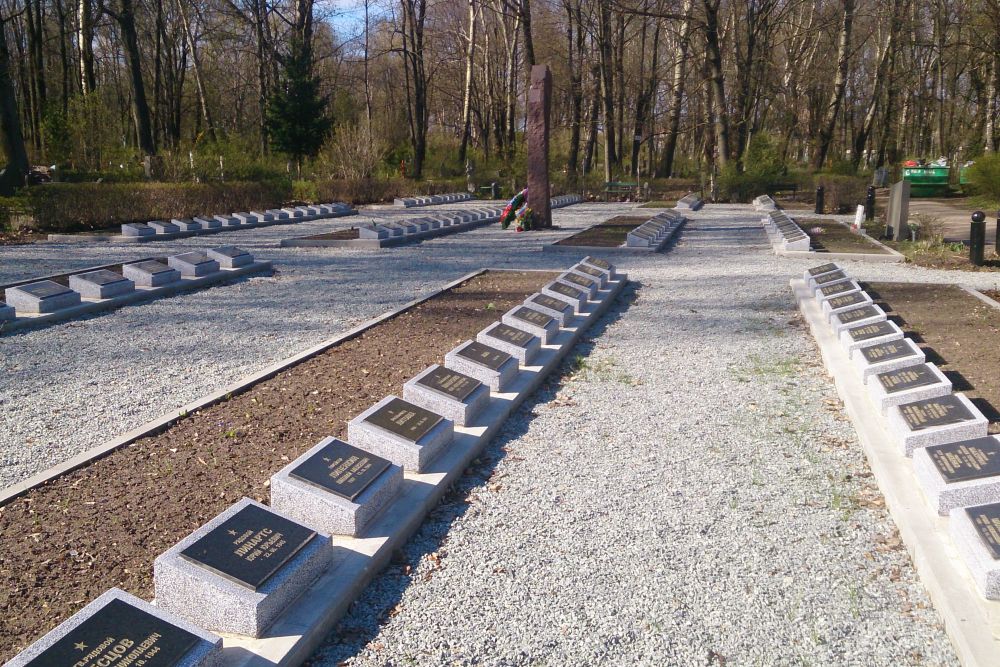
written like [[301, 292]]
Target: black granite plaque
[[101, 277], [450, 383], [911, 377], [566, 290], [533, 317], [853, 299], [511, 335], [857, 314], [577, 279], [405, 419], [833, 290], [250, 546], [152, 266], [341, 469], [45, 289], [932, 412], [589, 270], [869, 331], [194, 258], [484, 355], [229, 251], [122, 630], [986, 519], [891, 351], [546, 301], [823, 268], [599, 263], [966, 460], [830, 277]]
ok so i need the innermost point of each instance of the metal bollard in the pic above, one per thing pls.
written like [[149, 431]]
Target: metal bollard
[[996, 242], [977, 238], [495, 190], [819, 199], [870, 204]]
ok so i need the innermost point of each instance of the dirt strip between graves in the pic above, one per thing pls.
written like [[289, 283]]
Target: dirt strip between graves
[[65, 543], [957, 332]]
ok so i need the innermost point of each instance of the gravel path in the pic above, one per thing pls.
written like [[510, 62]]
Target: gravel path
[[690, 493]]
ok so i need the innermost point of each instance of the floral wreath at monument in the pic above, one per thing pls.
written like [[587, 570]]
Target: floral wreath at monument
[[517, 211]]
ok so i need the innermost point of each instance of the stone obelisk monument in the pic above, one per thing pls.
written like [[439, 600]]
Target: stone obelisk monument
[[539, 103]]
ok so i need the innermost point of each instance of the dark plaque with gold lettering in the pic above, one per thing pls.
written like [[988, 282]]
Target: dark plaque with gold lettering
[[599, 263], [341, 469], [549, 302], [986, 519], [589, 270], [830, 277], [509, 334], [891, 351], [566, 290], [853, 299], [484, 355], [250, 546], [911, 377], [132, 635], [823, 268], [533, 317], [839, 288], [450, 383], [969, 459], [869, 331], [931, 412], [405, 419], [577, 279], [857, 314]]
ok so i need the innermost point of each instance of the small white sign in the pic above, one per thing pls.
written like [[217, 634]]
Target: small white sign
[[859, 217]]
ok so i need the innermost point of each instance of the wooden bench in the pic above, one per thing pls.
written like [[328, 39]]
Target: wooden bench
[[620, 188]]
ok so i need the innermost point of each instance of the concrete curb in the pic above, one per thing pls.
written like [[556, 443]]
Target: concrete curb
[[306, 242], [982, 297], [140, 294], [971, 621]]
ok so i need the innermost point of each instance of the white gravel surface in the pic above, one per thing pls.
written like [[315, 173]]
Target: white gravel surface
[[691, 493]]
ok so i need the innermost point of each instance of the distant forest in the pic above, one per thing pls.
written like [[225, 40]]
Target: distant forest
[[643, 88]]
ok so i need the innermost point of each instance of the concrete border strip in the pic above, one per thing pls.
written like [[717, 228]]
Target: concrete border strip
[[971, 621], [888, 256], [982, 297]]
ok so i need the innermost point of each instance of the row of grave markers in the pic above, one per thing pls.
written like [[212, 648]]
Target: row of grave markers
[[243, 569], [954, 460], [655, 232], [690, 202], [431, 200], [764, 203], [211, 224], [784, 233], [45, 297]]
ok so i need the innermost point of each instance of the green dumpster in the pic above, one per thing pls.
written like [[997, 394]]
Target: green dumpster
[[927, 181]]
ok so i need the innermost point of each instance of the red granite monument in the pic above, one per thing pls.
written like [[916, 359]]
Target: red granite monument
[[539, 104]]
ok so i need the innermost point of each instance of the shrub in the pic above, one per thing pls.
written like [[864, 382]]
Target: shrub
[[984, 176], [364, 191], [742, 187], [841, 193]]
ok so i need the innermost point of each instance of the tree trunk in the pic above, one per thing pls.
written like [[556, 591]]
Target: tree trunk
[[10, 122], [605, 39], [574, 53], [470, 54], [713, 52], [839, 84], [677, 97], [993, 100], [85, 45], [414, 13], [133, 59], [881, 74], [206, 114]]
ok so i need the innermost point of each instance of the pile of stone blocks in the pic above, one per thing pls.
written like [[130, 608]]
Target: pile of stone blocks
[[655, 232], [784, 233]]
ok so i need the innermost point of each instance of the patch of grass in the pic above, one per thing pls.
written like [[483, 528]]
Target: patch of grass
[[602, 370], [758, 367]]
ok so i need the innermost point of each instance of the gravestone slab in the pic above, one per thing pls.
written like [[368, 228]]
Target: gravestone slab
[[230, 257], [335, 488], [867, 335], [187, 225], [241, 570], [132, 630], [827, 280], [935, 421], [888, 356], [44, 296], [263, 216], [150, 273], [193, 264], [137, 229], [844, 302], [574, 296], [856, 317], [293, 213], [585, 283], [539, 96], [534, 322], [246, 219], [898, 212], [453, 395], [101, 284], [375, 232], [905, 385], [837, 289], [959, 474], [593, 273], [163, 227], [557, 308], [975, 532], [603, 265], [208, 222], [494, 368], [513, 340], [228, 220], [406, 434]]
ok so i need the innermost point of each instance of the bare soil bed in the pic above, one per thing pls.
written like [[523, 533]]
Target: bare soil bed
[[829, 236], [339, 235], [957, 332], [65, 543], [609, 234]]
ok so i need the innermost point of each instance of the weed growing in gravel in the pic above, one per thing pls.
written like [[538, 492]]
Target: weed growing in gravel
[[758, 367], [602, 370]]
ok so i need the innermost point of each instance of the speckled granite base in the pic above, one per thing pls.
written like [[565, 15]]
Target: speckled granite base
[[328, 513], [578, 304], [944, 497], [936, 435], [838, 326], [563, 317], [412, 456], [206, 653], [866, 369], [545, 334], [93, 290], [884, 400], [985, 570], [523, 354], [602, 279], [497, 381], [590, 290], [214, 602], [851, 345], [461, 412]]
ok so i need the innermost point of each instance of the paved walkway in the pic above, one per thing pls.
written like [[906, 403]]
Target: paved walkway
[[690, 494]]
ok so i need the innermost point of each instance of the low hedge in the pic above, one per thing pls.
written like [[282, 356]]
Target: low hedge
[[66, 207], [368, 191]]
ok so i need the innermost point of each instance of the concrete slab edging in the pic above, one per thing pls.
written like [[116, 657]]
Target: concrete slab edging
[[306, 242], [982, 297], [971, 621], [616, 250], [888, 255]]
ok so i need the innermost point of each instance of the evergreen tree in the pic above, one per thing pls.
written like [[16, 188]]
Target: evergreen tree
[[297, 118]]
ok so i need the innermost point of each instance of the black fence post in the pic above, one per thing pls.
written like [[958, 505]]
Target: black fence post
[[977, 238], [870, 204], [819, 199]]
